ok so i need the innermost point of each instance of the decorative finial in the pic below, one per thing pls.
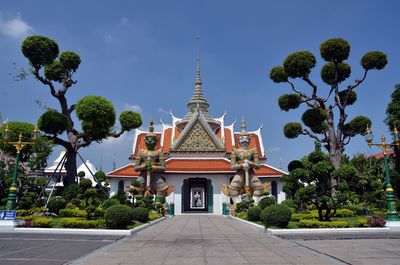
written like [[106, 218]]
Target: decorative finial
[[243, 124], [151, 127]]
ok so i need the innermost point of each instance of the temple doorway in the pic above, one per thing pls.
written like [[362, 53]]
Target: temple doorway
[[197, 195]]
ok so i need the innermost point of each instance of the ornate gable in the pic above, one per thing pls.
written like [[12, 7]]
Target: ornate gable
[[197, 136]]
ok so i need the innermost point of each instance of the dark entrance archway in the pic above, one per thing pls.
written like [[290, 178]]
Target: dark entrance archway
[[197, 195]]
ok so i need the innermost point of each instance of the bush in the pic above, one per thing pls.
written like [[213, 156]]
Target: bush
[[376, 221], [73, 213], [290, 203], [80, 223], [94, 212], [241, 215], [266, 201], [118, 216], [85, 184], [253, 214], [70, 192], [298, 216], [275, 215], [121, 197], [154, 215], [344, 213], [110, 202], [312, 223], [41, 222], [140, 214], [362, 222], [56, 204], [357, 209]]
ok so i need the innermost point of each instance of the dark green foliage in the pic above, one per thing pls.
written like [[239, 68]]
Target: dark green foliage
[[278, 75], [335, 50], [358, 125], [328, 72], [110, 202], [135, 183], [39, 50], [79, 223], [70, 60], [97, 116], [374, 60], [91, 193], [15, 129], [100, 176], [292, 130], [266, 201], [81, 174], [289, 101], [85, 184], [121, 197], [299, 64], [295, 164], [140, 214], [351, 97], [291, 204], [52, 122], [70, 192], [118, 216], [55, 71], [243, 206], [315, 119], [94, 212], [56, 204], [130, 120], [276, 215], [253, 214], [393, 109]]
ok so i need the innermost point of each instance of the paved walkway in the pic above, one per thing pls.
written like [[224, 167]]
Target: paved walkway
[[204, 239]]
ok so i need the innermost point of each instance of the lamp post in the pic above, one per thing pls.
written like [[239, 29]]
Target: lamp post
[[390, 197], [12, 194]]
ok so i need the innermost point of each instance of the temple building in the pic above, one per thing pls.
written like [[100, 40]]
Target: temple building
[[197, 151]]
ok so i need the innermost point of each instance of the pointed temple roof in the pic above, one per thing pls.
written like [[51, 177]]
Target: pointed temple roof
[[198, 103]]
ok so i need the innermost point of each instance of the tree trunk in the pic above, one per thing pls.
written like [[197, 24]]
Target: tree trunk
[[70, 167]]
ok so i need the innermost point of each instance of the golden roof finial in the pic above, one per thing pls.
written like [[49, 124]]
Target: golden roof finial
[[243, 125]]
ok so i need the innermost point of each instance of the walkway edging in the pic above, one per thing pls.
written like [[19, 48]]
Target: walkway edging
[[254, 225]]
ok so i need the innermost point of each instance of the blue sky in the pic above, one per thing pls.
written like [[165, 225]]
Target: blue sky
[[141, 55]]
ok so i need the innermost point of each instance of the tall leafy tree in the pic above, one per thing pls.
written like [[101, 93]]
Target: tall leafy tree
[[97, 116], [326, 109], [393, 119]]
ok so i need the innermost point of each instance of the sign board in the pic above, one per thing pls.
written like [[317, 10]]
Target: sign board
[[8, 215]]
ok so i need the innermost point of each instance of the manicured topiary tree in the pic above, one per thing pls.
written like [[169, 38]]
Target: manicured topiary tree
[[276, 215], [97, 116], [118, 216], [326, 109]]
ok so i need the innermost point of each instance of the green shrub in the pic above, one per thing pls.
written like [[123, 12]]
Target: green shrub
[[243, 206], [56, 204], [266, 201], [110, 202], [275, 215], [70, 192], [121, 197], [241, 215], [80, 223], [154, 215], [140, 214], [41, 222], [73, 213], [253, 214], [362, 222], [357, 209], [94, 212], [312, 223], [344, 213], [298, 216], [290, 203], [118, 216], [85, 184]]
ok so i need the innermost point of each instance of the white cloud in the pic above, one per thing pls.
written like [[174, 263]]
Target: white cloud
[[135, 108], [118, 143], [15, 28], [162, 111]]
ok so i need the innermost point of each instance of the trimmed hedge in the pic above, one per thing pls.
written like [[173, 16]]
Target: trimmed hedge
[[56, 204], [311, 223], [110, 202], [241, 215], [118, 216], [266, 201], [154, 215], [362, 222], [298, 216], [140, 214], [276, 215], [81, 223], [253, 214], [41, 222], [73, 213], [339, 213]]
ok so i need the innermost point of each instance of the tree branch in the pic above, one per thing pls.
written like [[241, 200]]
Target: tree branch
[[307, 132], [71, 108], [44, 81], [305, 99], [358, 82], [314, 93]]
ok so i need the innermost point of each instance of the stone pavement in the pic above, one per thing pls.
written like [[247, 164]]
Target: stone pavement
[[204, 239]]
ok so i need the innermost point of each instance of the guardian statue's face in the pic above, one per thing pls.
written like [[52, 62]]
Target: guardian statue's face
[[151, 142], [244, 140]]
